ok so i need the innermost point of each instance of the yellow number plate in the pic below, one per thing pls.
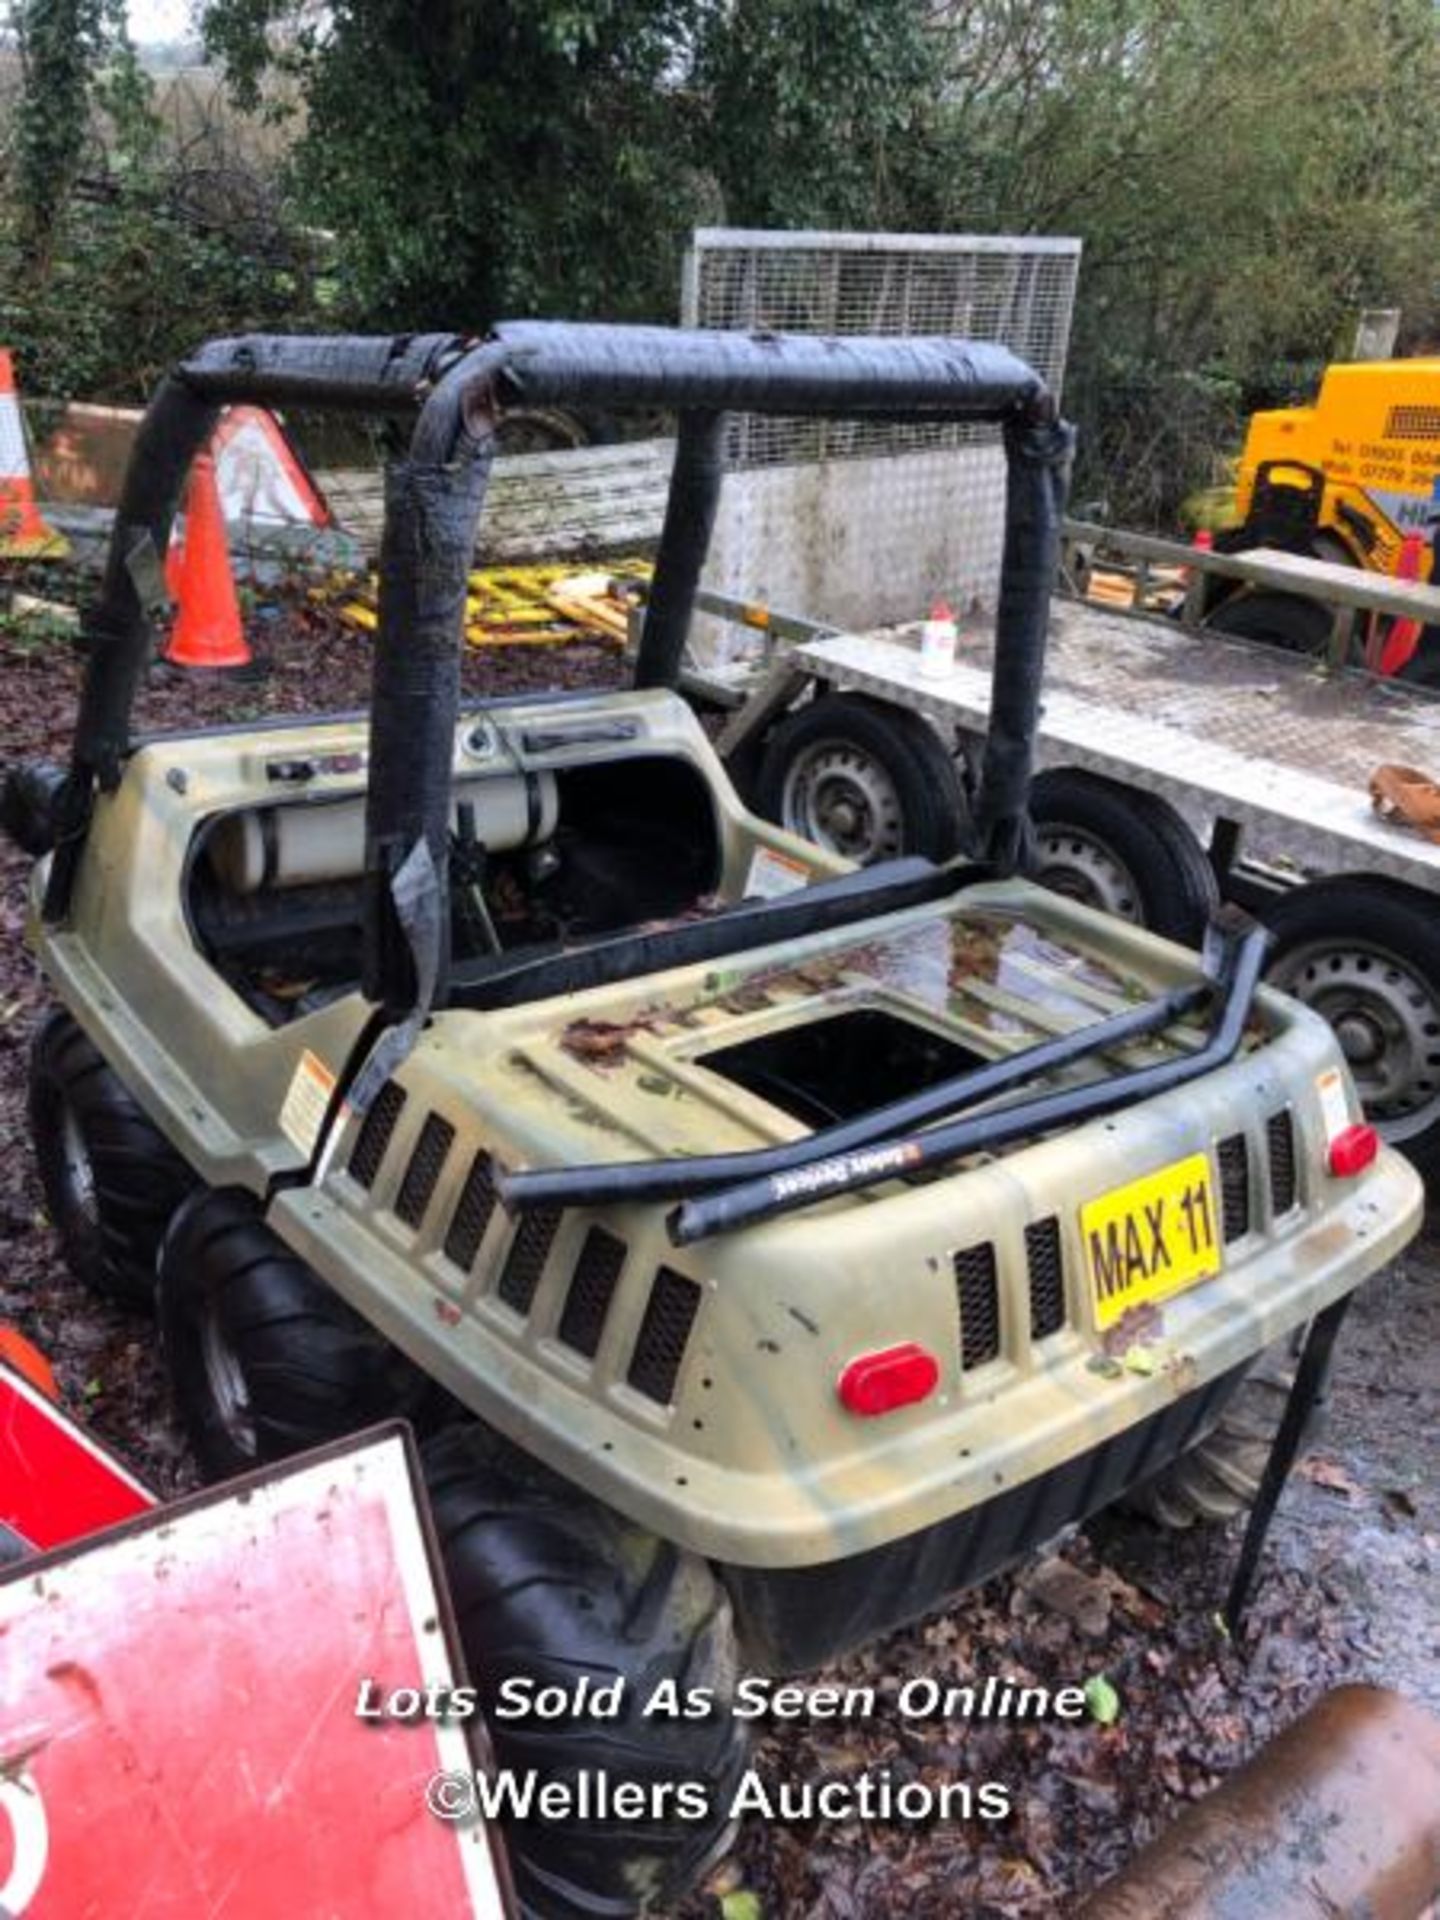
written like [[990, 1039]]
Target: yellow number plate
[[1151, 1237]]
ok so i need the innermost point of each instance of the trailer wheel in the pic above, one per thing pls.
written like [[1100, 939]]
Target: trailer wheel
[[863, 779], [264, 1358], [111, 1179], [1126, 852], [1280, 619], [1218, 1476], [552, 1586], [1365, 952], [539, 430]]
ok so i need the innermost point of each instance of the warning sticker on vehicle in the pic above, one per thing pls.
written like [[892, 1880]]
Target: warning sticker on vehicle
[[1334, 1107], [772, 874], [307, 1102]]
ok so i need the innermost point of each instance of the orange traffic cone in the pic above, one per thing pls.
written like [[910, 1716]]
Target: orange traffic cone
[[23, 534], [207, 631], [1404, 635]]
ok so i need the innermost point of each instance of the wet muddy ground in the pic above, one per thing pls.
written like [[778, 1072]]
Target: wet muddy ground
[[1348, 1588]]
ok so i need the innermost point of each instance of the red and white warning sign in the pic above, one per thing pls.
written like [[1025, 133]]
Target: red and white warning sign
[[56, 1483], [178, 1733], [260, 476]]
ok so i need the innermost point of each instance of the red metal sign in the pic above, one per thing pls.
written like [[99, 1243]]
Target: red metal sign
[[178, 1732], [56, 1483]]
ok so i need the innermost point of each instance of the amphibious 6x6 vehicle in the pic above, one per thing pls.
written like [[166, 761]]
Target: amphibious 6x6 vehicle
[[768, 1248]]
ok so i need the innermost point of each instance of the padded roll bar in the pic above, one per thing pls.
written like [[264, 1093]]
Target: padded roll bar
[[458, 389]]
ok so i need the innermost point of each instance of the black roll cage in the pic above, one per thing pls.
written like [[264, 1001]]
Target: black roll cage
[[457, 389]]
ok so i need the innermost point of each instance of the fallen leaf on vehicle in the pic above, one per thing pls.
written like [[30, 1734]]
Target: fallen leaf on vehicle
[[602, 1042], [1135, 1327]]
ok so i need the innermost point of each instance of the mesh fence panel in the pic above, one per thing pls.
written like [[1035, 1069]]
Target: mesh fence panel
[[859, 522]]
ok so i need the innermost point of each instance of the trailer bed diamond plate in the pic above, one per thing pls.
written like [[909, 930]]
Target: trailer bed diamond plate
[[1218, 727]]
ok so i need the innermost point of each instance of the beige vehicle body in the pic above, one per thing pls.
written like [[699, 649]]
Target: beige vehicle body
[[697, 1387]]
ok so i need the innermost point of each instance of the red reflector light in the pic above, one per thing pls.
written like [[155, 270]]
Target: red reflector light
[[1352, 1150], [879, 1382]]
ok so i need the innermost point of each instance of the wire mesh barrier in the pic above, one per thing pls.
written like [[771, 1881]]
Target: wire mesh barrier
[[860, 522]]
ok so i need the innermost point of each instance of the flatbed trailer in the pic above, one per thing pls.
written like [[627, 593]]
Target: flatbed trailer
[[1174, 762]]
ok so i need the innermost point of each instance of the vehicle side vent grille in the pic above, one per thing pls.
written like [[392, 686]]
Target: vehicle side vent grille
[[1280, 1139], [592, 1288], [427, 1163], [375, 1131], [1047, 1277], [1234, 1159], [664, 1333], [472, 1213], [1413, 423], [978, 1289], [525, 1262]]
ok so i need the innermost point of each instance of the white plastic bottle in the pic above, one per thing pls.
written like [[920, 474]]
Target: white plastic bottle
[[937, 642]]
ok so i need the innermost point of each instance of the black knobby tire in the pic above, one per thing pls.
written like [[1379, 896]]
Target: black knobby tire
[[1123, 851], [1285, 620], [1217, 1477], [550, 1585], [864, 779], [1364, 951], [264, 1358], [112, 1180]]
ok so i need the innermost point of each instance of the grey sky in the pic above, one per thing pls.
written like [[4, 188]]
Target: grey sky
[[159, 20]]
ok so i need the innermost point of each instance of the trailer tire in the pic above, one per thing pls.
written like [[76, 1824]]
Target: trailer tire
[[1364, 951], [1217, 1477], [550, 1585], [264, 1358], [1285, 620], [1123, 851], [864, 779], [111, 1179]]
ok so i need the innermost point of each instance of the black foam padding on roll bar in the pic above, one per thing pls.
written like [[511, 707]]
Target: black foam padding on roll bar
[[352, 373], [431, 513], [684, 541], [458, 388], [562, 362], [1036, 479]]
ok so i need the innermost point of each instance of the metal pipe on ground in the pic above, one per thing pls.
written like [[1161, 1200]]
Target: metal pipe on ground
[[1337, 1816]]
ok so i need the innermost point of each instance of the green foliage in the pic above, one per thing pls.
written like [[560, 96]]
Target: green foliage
[[552, 155], [136, 263], [1244, 178], [59, 43], [808, 102], [1102, 1700], [512, 157]]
